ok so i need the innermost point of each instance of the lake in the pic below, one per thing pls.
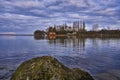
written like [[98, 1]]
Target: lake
[[98, 56]]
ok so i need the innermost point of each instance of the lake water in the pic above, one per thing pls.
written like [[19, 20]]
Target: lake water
[[99, 57]]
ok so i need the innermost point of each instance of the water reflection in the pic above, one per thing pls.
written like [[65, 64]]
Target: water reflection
[[8, 37], [99, 56], [65, 41]]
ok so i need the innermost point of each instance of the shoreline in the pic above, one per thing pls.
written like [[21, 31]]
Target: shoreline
[[16, 35]]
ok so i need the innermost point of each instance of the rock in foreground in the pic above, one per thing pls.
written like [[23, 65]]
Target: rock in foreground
[[48, 68]]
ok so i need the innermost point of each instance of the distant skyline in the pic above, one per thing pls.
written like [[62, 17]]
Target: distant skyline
[[26, 16]]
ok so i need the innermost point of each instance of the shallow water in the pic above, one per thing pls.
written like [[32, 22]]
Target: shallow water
[[100, 57]]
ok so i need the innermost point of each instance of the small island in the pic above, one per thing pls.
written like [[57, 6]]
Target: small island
[[78, 29]]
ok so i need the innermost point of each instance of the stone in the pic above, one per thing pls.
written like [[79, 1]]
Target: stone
[[48, 68]]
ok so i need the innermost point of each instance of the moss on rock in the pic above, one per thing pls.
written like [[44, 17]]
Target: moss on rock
[[48, 68]]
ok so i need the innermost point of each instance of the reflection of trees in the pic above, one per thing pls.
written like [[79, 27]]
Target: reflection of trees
[[79, 42], [65, 41], [95, 43], [52, 41], [39, 37]]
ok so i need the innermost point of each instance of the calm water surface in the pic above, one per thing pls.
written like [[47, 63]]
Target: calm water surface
[[99, 57]]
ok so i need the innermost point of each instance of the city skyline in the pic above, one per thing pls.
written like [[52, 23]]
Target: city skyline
[[26, 16]]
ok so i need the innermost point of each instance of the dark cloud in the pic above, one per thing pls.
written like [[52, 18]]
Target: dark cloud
[[29, 15]]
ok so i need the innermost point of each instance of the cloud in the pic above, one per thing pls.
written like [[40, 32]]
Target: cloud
[[17, 22], [84, 3], [55, 7], [22, 3], [28, 15], [16, 16], [26, 4]]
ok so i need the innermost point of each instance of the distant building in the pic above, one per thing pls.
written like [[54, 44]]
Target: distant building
[[95, 27]]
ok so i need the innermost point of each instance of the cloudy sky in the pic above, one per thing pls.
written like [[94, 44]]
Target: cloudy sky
[[25, 16]]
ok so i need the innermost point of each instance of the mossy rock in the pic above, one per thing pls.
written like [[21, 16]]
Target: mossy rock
[[48, 68]]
